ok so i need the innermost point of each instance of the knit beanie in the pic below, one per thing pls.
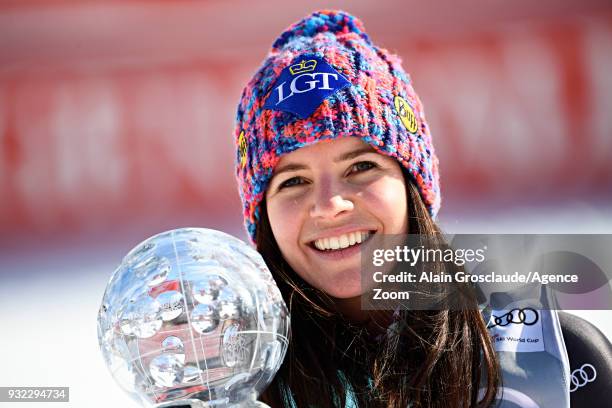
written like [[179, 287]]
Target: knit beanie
[[325, 79]]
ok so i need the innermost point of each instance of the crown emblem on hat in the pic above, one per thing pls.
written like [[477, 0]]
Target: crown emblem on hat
[[303, 66]]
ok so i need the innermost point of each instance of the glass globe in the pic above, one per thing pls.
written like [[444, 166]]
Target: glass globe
[[193, 317]]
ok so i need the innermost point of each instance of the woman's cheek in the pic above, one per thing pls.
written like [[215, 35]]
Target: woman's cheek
[[387, 201], [285, 215], [386, 194]]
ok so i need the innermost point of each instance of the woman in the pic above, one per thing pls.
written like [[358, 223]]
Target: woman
[[333, 148]]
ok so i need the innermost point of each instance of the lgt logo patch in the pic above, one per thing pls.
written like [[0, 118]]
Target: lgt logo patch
[[304, 85]]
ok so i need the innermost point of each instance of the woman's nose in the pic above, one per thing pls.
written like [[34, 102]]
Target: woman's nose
[[330, 202]]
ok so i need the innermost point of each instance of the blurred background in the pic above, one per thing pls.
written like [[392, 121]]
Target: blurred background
[[116, 122]]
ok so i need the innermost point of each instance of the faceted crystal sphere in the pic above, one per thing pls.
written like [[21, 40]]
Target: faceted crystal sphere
[[193, 316]]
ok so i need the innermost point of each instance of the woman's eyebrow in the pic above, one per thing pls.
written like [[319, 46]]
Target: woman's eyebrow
[[354, 153], [289, 167]]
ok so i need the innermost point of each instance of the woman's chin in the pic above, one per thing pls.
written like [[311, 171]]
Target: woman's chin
[[344, 291]]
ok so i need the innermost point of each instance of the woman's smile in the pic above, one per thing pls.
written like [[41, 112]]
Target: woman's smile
[[342, 247], [342, 241]]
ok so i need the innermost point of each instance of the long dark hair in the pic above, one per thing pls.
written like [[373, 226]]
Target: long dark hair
[[434, 359]]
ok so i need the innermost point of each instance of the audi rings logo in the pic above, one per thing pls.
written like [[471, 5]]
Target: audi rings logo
[[526, 316], [581, 376]]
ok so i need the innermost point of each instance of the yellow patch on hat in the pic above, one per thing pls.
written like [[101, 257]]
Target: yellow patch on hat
[[242, 148], [406, 114]]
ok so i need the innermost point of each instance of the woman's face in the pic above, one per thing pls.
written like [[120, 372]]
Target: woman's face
[[327, 196]]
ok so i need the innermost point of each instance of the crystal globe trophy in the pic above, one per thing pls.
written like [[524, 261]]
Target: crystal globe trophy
[[192, 317]]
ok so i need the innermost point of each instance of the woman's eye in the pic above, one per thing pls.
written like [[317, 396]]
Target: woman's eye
[[363, 166], [293, 181]]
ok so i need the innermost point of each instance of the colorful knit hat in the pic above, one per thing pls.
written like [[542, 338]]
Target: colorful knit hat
[[325, 79]]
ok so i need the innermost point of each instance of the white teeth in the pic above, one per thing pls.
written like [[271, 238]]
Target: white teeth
[[334, 243], [342, 241]]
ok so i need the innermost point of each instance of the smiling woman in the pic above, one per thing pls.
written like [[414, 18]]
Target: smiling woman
[[333, 149]]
